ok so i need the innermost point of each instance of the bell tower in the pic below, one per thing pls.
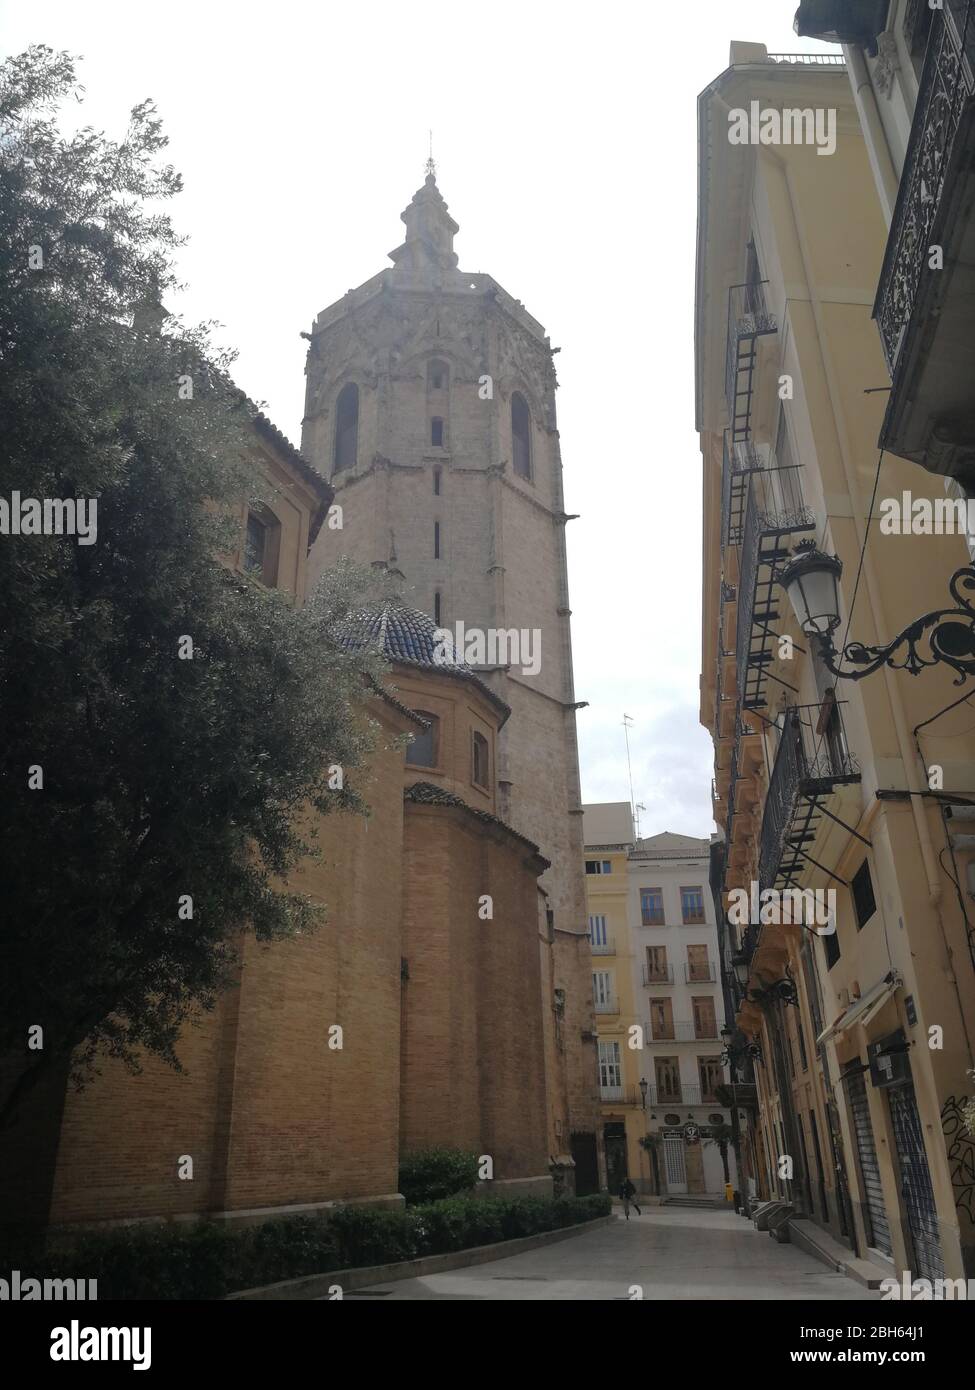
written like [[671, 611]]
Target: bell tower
[[430, 406]]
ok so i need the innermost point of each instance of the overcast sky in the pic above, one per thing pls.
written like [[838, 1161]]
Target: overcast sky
[[565, 141]]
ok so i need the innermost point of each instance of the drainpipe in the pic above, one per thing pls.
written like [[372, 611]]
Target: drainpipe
[[878, 150]]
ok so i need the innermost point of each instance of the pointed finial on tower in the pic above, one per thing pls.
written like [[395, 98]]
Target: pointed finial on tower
[[431, 166]]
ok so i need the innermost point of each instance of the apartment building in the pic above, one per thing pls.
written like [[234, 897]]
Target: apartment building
[[833, 647], [658, 1004]]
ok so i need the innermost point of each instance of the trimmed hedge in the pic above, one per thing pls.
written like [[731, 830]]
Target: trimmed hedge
[[429, 1175], [208, 1260]]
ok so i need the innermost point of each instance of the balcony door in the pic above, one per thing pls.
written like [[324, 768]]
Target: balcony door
[[602, 986], [698, 965], [705, 1022], [668, 1080], [657, 964], [661, 1019]]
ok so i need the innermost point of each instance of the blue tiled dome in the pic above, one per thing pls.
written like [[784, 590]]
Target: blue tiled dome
[[407, 636]]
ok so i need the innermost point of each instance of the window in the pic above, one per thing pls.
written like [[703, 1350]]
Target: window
[[801, 1039], [831, 945], [656, 964], [436, 609], [436, 481], [710, 1072], [668, 1078], [864, 902], [255, 545], [346, 427], [698, 965], [602, 987], [437, 376], [662, 1019], [480, 773], [422, 751], [436, 540], [652, 907], [597, 931], [521, 448], [436, 432], [692, 906], [598, 866], [610, 1070], [705, 1023], [261, 545]]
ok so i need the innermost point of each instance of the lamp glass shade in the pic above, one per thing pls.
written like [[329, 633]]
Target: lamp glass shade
[[741, 971], [811, 583]]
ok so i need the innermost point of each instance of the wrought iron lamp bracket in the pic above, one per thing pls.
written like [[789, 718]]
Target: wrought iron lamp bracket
[[944, 637]]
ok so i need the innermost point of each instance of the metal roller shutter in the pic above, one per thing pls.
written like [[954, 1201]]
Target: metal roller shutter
[[879, 1234], [916, 1190]]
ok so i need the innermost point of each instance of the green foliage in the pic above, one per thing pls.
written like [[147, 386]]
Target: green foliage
[[208, 1260], [722, 1135], [162, 777], [430, 1174]]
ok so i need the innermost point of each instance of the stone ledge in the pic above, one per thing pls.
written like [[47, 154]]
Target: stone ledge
[[809, 1237], [317, 1286]]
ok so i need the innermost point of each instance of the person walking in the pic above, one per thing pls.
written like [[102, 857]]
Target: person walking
[[627, 1193]]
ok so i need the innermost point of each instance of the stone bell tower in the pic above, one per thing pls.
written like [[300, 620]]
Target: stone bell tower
[[430, 405]]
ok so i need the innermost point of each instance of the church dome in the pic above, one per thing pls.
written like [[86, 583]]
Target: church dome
[[408, 637]]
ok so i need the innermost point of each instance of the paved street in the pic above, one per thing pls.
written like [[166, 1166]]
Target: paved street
[[672, 1253]]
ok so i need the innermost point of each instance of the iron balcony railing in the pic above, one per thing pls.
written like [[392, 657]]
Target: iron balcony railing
[[666, 1098], [749, 319], [823, 60], [621, 1095], [606, 1006], [947, 85], [603, 948], [699, 974], [774, 511], [684, 1031], [738, 461], [807, 768], [663, 976]]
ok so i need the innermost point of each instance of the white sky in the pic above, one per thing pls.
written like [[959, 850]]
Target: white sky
[[565, 140]]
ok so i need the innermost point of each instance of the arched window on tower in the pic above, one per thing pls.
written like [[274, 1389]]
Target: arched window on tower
[[521, 443], [346, 427], [438, 402]]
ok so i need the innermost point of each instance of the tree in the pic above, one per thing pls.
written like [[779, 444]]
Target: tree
[[651, 1143], [168, 797], [722, 1135]]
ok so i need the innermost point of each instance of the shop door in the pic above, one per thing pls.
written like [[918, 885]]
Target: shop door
[[915, 1178]]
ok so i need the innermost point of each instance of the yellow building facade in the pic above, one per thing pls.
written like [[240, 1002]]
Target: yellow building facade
[[837, 772], [608, 834]]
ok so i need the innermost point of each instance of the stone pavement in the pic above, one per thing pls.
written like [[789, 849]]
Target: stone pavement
[[671, 1253]]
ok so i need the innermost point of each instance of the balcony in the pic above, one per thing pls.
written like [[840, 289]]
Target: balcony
[[621, 1095], [738, 462], [748, 320], [664, 976], [606, 1006], [665, 1098], [684, 1031], [699, 974], [774, 511], [603, 948], [925, 314], [811, 762]]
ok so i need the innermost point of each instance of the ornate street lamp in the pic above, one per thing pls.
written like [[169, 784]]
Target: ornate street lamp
[[946, 635], [842, 21]]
